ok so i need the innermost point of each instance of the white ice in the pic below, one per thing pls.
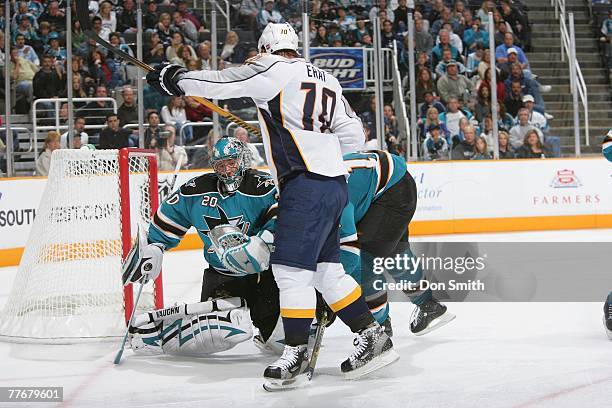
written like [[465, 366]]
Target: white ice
[[492, 355]]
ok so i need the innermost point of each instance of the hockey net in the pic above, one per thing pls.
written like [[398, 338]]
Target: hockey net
[[68, 286]]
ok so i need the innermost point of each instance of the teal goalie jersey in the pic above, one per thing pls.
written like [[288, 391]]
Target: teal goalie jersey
[[200, 203]]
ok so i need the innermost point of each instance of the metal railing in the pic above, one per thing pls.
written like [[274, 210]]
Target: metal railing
[[387, 66], [568, 48], [57, 103], [400, 108], [19, 129], [186, 125], [225, 12], [10, 154]]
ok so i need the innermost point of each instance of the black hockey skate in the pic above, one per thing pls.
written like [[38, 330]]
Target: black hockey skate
[[373, 351], [387, 326], [290, 371], [607, 318], [430, 316]]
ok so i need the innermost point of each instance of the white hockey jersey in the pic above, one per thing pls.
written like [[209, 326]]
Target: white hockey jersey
[[306, 123]]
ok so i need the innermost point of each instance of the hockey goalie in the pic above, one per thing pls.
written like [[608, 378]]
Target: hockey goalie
[[233, 209]]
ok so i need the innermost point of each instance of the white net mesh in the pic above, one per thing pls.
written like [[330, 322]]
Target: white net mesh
[[68, 286]]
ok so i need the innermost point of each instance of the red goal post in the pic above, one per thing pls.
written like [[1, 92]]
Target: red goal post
[[127, 167]]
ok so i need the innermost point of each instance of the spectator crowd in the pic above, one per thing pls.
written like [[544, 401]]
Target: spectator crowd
[[453, 70]]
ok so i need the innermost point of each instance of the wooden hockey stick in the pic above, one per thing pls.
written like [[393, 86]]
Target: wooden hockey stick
[[82, 11], [316, 347]]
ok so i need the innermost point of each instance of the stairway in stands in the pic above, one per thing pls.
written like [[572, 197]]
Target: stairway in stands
[[545, 60]]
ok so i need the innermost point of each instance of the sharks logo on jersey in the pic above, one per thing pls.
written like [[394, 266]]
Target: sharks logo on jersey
[[223, 219], [263, 181]]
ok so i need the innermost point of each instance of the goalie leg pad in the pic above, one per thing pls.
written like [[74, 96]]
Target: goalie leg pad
[[146, 339], [195, 336], [202, 335]]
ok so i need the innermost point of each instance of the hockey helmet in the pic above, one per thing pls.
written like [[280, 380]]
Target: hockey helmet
[[230, 160], [606, 147], [276, 37]]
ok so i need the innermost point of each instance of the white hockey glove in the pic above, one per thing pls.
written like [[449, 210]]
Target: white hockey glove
[[268, 238], [144, 261], [239, 253]]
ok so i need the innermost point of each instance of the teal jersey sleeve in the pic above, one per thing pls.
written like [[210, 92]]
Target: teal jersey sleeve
[[348, 229], [349, 253], [171, 221], [350, 257]]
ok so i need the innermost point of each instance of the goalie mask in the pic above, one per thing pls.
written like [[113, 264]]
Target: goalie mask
[[230, 160]]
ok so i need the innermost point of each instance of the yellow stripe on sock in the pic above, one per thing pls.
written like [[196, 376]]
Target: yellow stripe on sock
[[347, 300], [298, 313]]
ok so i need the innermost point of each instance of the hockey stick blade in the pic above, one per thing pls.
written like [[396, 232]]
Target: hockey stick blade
[[127, 330]]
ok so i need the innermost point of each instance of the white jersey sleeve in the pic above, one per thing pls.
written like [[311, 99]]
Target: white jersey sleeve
[[259, 79], [305, 121], [349, 129]]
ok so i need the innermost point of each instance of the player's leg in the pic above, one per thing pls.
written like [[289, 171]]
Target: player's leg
[[297, 245], [383, 232], [260, 292], [309, 211], [607, 319], [429, 313], [344, 296], [262, 297]]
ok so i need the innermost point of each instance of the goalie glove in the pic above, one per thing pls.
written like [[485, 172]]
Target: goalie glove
[[143, 261], [165, 77], [239, 253]]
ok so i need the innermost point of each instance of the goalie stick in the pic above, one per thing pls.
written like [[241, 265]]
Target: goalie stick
[[82, 11], [127, 330]]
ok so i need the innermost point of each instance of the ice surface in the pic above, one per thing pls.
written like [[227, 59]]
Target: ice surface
[[492, 355]]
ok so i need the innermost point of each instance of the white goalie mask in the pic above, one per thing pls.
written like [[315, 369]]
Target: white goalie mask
[[276, 37]]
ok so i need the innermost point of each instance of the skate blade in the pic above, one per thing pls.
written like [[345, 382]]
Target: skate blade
[[383, 360], [437, 323], [273, 385], [608, 331]]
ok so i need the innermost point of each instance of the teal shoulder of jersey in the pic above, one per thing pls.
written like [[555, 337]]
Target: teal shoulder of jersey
[[371, 173]]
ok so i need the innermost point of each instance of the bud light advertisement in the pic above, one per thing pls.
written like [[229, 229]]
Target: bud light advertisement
[[346, 64]]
